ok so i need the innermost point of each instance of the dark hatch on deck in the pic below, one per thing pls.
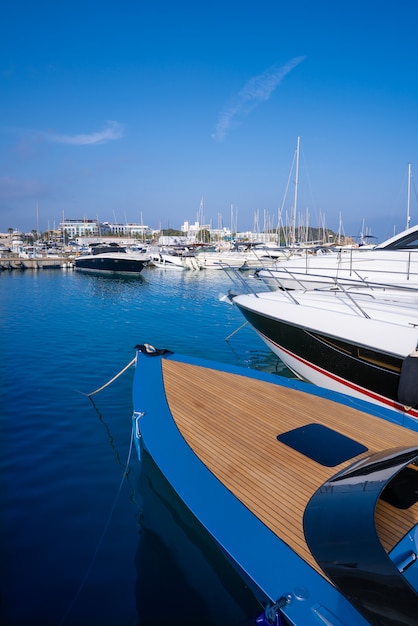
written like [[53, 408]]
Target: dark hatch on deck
[[322, 444]]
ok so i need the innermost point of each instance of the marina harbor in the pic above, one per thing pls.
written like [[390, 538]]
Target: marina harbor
[[209, 314], [228, 413]]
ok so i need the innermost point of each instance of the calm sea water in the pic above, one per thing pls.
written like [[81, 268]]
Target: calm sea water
[[89, 535]]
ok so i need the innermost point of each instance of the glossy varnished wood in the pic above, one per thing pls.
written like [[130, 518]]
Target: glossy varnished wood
[[232, 422]]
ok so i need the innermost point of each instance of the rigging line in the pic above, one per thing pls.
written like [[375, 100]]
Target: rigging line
[[105, 529], [112, 379]]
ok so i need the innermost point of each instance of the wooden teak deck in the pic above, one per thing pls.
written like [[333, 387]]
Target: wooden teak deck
[[232, 422]]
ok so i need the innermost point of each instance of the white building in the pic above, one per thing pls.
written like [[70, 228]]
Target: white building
[[94, 228], [80, 228], [191, 231], [125, 230], [137, 230]]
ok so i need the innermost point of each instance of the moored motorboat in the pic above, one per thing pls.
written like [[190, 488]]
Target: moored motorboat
[[211, 259], [394, 263], [173, 257], [356, 342], [111, 259], [311, 495]]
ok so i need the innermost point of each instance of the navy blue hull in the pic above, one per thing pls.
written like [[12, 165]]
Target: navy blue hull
[[373, 370], [110, 265]]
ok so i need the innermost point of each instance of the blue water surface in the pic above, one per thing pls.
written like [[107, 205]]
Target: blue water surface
[[88, 536]]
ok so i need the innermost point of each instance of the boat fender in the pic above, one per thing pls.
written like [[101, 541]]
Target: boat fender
[[408, 382]]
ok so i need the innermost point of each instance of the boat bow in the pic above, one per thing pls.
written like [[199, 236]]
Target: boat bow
[[289, 523]]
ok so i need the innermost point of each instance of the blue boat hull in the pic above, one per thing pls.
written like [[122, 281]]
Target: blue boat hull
[[272, 570]]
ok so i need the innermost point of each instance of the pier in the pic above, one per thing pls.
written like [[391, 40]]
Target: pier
[[15, 262]]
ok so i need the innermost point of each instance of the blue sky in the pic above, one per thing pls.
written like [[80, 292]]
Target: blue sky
[[137, 110]]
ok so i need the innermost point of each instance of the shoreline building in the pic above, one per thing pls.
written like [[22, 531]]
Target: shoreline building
[[94, 228], [80, 228], [191, 231]]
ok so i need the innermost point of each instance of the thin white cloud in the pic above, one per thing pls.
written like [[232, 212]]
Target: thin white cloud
[[113, 130], [258, 89]]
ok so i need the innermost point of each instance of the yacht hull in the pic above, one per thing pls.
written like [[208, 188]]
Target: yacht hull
[[349, 354], [111, 264]]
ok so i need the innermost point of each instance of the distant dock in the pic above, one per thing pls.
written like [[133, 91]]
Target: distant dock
[[14, 262]]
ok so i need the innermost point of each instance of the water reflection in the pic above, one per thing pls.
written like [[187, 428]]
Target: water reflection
[[182, 577]]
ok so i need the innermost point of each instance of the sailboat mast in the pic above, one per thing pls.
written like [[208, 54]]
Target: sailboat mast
[[295, 200], [408, 202]]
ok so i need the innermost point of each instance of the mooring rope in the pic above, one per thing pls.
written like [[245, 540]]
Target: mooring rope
[[105, 529], [112, 379], [235, 331]]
